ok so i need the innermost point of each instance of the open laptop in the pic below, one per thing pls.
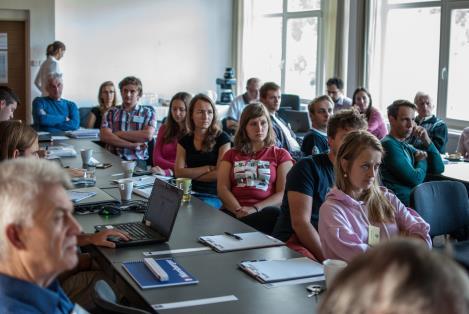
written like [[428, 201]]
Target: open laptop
[[299, 120], [158, 221]]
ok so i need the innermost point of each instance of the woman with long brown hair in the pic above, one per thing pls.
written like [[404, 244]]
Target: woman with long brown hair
[[251, 176], [174, 128], [201, 149]]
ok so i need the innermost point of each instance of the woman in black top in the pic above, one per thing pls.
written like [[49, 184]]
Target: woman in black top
[[106, 99], [200, 151]]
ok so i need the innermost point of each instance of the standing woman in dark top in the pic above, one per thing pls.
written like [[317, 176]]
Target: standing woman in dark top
[[106, 99], [199, 152]]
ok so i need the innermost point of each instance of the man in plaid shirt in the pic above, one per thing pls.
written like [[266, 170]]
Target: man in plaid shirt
[[127, 129]]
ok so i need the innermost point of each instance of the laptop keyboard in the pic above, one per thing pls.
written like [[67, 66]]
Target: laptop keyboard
[[136, 231]]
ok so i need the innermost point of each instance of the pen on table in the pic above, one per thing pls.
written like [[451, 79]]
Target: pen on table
[[237, 237]]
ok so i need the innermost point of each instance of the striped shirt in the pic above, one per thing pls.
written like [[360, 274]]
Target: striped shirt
[[117, 119]]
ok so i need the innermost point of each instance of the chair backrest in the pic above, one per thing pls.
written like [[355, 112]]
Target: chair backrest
[[84, 112], [290, 100], [442, 204], [106, 301]]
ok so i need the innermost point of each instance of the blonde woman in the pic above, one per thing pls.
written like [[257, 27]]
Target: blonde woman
[[107, 100], [358, 213]]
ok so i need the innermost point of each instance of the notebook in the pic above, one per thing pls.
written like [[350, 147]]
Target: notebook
[[141, 181], [146, 279], [145, 191], [77, 196], [158, 221], [93, 203], [282, 270], [249, 240]]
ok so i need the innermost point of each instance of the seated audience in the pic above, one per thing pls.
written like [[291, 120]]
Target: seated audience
[[106, 99], [404, 166], [315, 141], [463, 144], [199, 151], [53, 113], [436, 128], [357, 213], [8, 103], [127, 129], [363, 102], [240, 102], [308, 182], [399, 276], [285, 137], [39, 237], [335, 90], [164, 153], [251, 176]]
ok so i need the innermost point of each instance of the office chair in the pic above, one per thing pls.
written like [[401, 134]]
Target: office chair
[[291, 101], [443, 205], [106, 301]]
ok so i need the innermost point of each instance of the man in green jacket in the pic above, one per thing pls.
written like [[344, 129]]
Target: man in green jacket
[[404, 166]]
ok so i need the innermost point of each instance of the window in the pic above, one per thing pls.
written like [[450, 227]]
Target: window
[[281, 43], [420, 46]]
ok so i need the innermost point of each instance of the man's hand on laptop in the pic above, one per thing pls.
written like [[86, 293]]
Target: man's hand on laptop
[[101, 238]]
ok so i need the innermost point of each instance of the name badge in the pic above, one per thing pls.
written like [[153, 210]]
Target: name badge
[[137, 119], [373, 235]]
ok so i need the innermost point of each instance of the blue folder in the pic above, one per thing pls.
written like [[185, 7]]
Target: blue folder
[[146, 279]]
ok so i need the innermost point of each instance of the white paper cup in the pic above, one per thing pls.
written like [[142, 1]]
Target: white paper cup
[[86, 155], [332, 267], [125, 188], [128, 166]]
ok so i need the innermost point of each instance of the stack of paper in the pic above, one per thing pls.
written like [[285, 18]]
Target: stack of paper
[[83, 133], [281, 270], [60, 151], [248, 240]]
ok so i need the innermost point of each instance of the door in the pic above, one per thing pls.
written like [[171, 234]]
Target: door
[[16, 32]]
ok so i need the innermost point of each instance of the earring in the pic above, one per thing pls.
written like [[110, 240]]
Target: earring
[[345, 175]]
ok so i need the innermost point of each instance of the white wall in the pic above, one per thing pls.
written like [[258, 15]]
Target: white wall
[[170, 45], [40, 19]]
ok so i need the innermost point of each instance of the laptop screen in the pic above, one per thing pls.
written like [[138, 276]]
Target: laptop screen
[[163, 206]]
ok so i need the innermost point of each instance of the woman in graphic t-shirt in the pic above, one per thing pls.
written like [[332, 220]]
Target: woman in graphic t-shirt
[[251, 176]]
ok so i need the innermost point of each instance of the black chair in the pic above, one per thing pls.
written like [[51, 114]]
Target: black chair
[[106, 301], [84, 112], [442, 204], [291, 101]]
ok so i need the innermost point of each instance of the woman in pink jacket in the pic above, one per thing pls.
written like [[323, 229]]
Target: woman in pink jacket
[[164, 153], [362, 101], [358, 213]]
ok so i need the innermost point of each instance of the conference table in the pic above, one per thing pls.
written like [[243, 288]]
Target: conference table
[[456, 170], [222, 287]]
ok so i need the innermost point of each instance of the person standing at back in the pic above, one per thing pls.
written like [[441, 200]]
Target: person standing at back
[[54, 53]]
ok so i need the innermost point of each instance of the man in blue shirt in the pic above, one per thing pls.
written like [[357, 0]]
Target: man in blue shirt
[[315, 141], [53, 113], [39, 237]]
